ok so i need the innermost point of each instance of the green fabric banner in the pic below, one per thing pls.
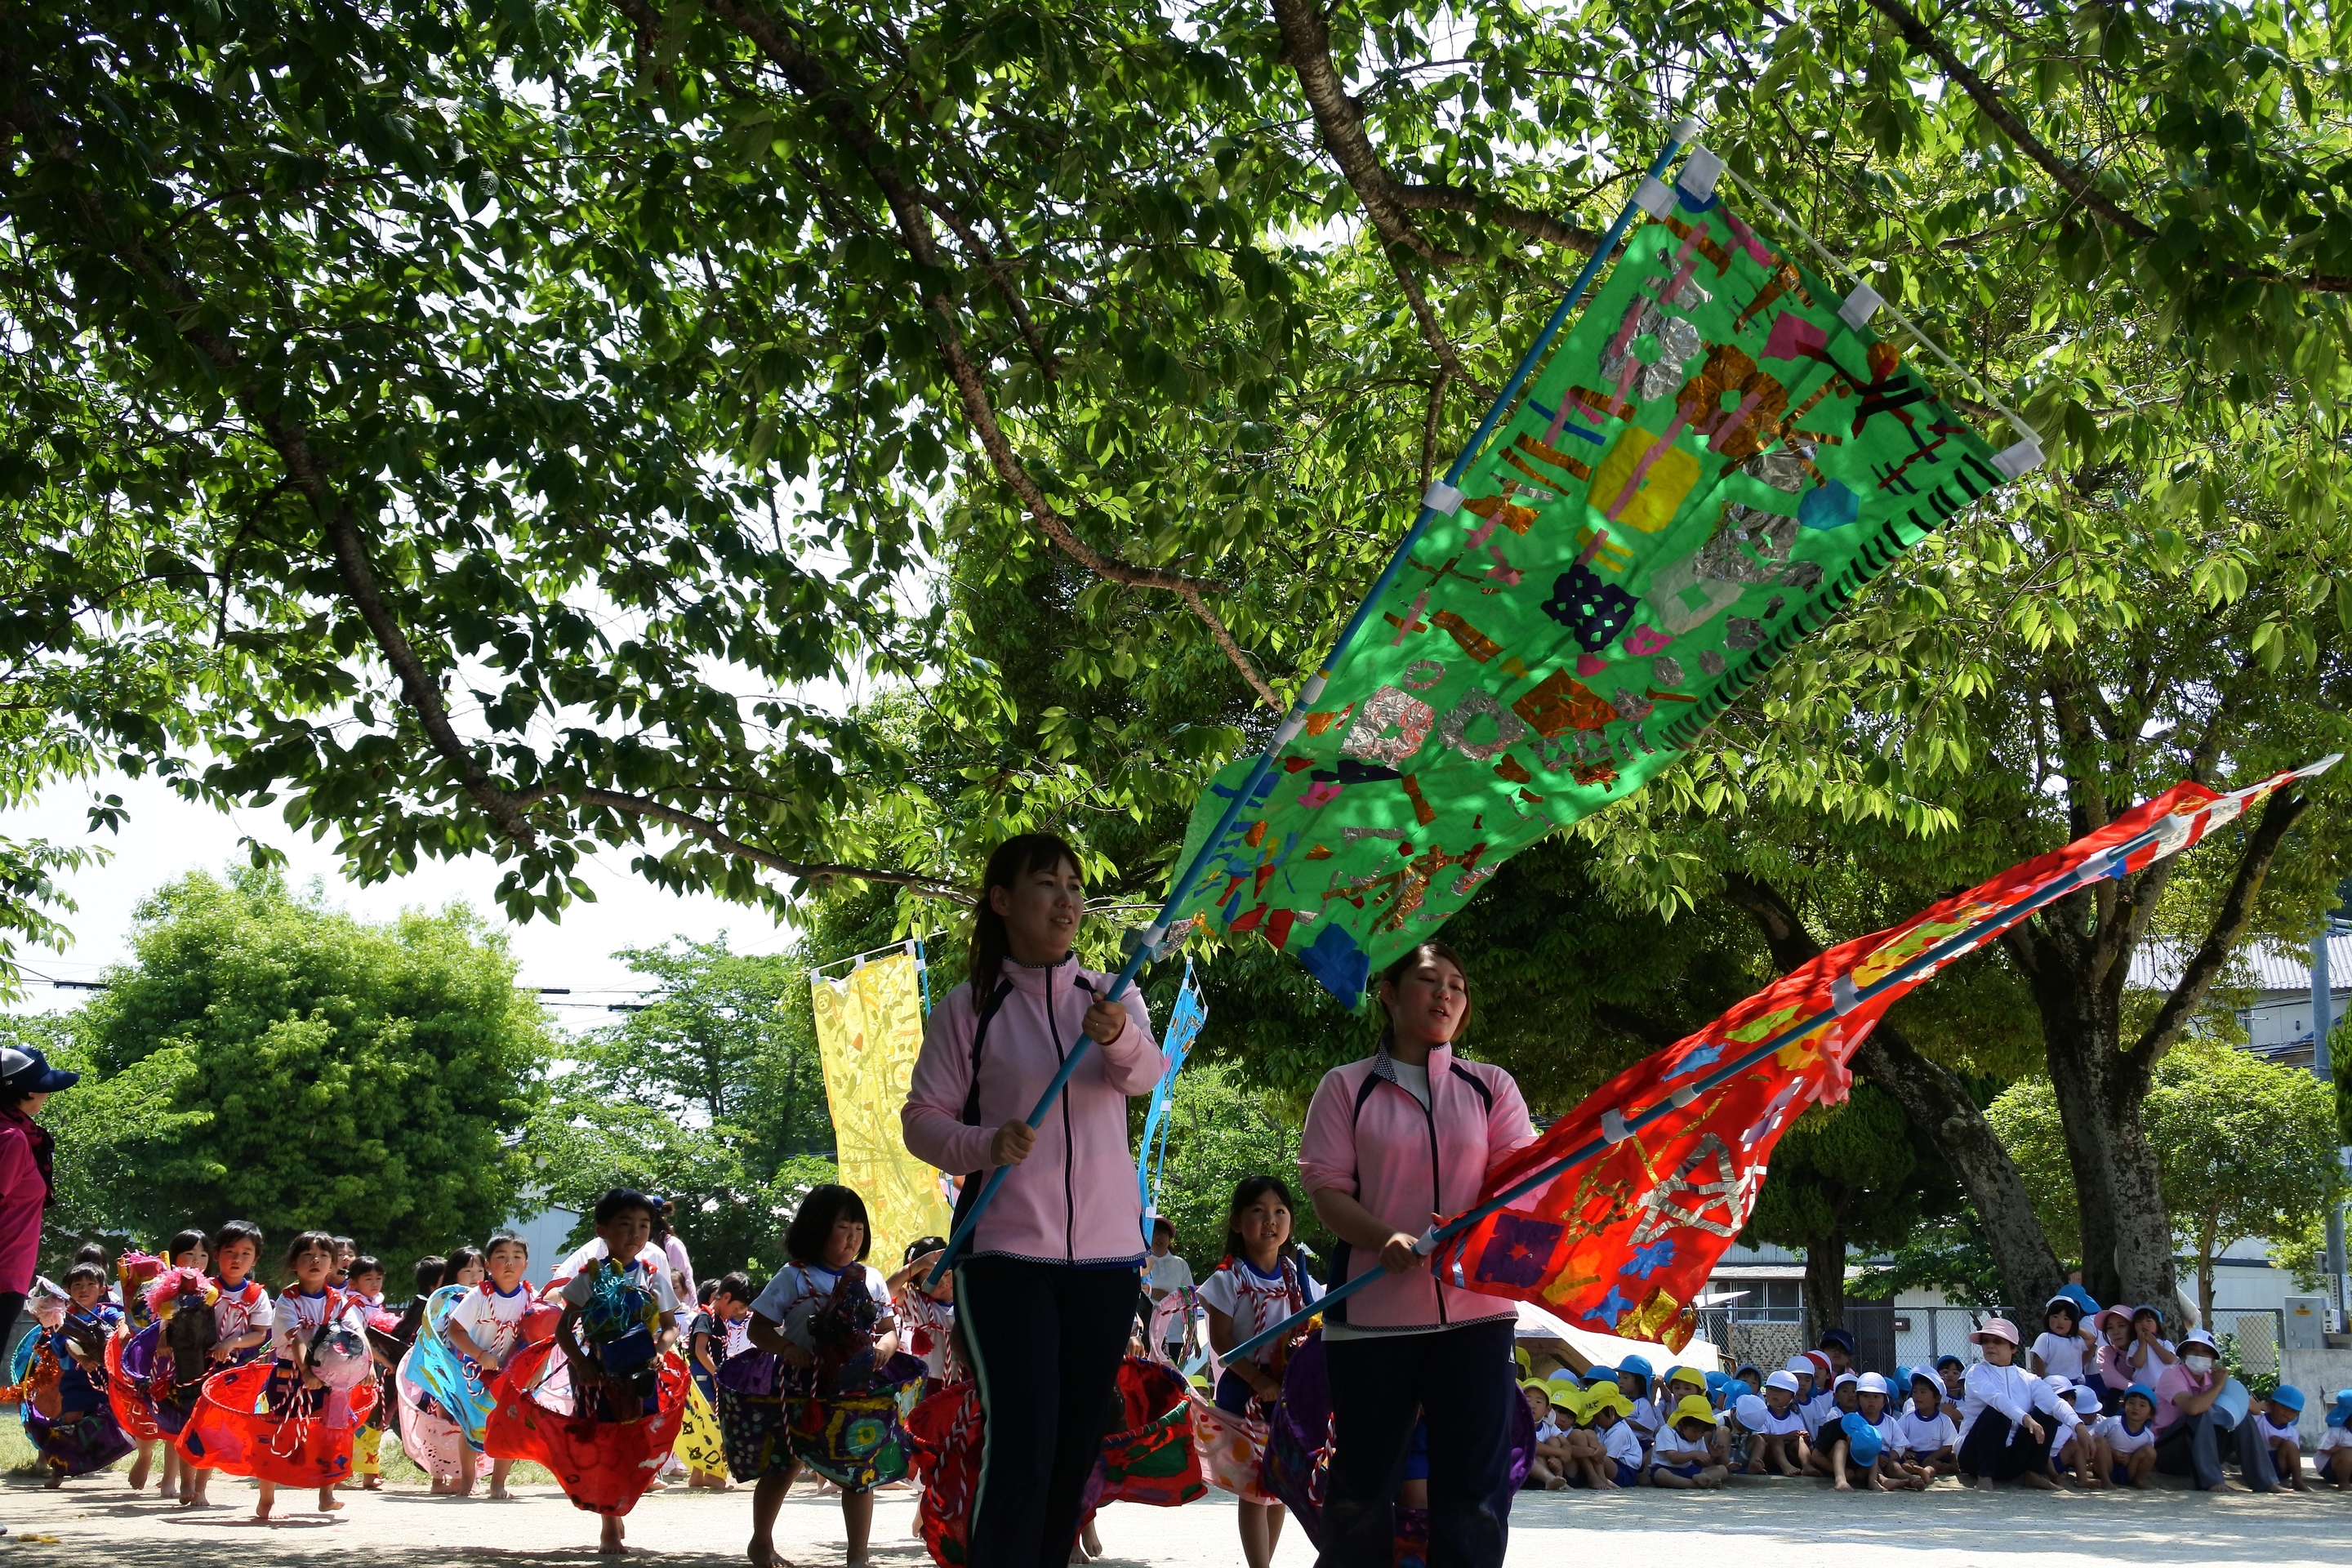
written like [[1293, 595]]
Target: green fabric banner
[[1710, 464]]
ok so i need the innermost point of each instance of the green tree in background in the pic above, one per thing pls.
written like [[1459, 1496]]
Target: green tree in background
[[712, 1094], [265, 1057], [2247, 1151], [1221, 1131], [1845, 1177]]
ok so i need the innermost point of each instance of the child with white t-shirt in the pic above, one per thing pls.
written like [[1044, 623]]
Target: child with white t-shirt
[[1547, 1465], [2127, 1439], [1691, 1449], [1926, 1441], [242, 1317], [2275, 1422], [2078, 1447], [1776, 1442], [1260, 1283], [485, 1326], [1620, 1446], [2335, 1460], [2064, 1348]]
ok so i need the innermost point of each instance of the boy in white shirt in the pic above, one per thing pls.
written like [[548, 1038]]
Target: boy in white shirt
[[2278, 1417], [1776, 1443], [1691, 1449], [2077, 1447], [2128, 1439], [1620, 1449], [1925, 1438], [2335, 1460], [485, 1326], [2064, 1349]]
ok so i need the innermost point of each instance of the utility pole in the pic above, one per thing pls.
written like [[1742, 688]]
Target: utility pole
[[2323, 1068]]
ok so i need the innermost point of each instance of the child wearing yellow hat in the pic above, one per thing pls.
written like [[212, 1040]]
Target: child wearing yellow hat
[[1547, 1468], [1621, 1455], [1691, 1450]]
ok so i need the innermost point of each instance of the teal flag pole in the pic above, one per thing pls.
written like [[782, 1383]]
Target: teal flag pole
[[2110, 864], [1441, 500]]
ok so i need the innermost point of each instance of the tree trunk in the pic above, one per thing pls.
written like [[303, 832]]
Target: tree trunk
[[1824, 1284], [1941, 1107], [2127, 1233], [2205, 1250]]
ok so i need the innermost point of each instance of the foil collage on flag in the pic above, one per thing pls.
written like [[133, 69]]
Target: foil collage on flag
[[1623, 1242], [1708, 465]]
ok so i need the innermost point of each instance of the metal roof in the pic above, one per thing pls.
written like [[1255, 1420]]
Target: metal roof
[[2156, 966]]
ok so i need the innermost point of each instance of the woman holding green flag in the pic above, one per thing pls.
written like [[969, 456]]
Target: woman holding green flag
[[1045, 1294]]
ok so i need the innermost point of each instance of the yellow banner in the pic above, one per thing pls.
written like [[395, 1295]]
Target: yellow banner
[[869, 1028]]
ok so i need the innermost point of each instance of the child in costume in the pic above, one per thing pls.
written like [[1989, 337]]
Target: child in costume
[[430, 1429], [926, 1314], [484, 1327], [365, 1278], [1260, 1283], [242, 1316], [133, 1403], [289, 1420], [710, 1339], [71, 1422], [833, 1379], [603, 1413]]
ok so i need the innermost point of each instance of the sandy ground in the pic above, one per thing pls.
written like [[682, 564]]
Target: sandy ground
[[1784, 1524]]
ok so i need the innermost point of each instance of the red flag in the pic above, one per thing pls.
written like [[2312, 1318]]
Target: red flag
[[1675, 1146]]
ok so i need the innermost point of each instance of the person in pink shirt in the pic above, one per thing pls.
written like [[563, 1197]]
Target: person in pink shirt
[[1393, 1144], [1047, 1289], [2193, 1417], [26, 1081]]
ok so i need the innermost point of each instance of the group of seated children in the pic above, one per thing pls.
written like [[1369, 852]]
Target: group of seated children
[[2093, 1413]]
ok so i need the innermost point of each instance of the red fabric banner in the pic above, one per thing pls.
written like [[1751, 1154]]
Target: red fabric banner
[[1624, 1240]]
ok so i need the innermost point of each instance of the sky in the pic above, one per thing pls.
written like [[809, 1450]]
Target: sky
[[166, 837]]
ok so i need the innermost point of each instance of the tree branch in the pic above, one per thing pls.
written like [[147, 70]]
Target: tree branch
[[809, 78], [710, 833], [1387, 201], [2204, 965], [1432, 332]]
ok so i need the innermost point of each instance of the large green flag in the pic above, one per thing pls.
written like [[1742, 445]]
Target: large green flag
[[1711, 463]]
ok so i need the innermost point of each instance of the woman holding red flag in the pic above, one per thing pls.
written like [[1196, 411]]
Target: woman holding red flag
[[1392, 1144]]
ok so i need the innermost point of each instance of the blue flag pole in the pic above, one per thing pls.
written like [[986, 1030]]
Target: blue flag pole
[[1617, 1126], [1441, 500]]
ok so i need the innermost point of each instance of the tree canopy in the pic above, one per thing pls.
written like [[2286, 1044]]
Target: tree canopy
[[265, 1058]]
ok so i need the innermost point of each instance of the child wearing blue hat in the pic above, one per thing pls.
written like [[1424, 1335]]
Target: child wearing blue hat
[[2128, 1437], [1635, 1381], [2335, 1460], [2276, 1422]]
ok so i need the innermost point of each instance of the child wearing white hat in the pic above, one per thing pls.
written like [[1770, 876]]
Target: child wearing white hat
[[1925, 1437], [1776, 1443]]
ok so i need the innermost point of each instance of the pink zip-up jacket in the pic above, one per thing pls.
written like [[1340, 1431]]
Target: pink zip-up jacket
[[1075, 1199], [1368, 1137], [23, 1196]]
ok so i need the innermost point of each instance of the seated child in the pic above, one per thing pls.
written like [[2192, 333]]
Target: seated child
[[1583, 1463], [2275, 1422], [2063, 1349], [1955, 1373], [1927, 1444], [2127, 1439], [2335, 1460], [1620, 1464], [2078, 1448], [1633, 1381], [1777, 1435], [1547, 1465], [1692, 1449], [1823, 1419]]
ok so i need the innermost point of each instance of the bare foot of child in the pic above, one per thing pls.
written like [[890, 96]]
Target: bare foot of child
[[762, 1554], [498, 1492], [2039, 1482], [139, 1474], [609, 1543], [372, 1484], [327, 1501]]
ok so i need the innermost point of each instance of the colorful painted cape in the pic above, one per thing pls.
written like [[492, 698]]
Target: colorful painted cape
[[869, 1029], [1625, 1240], [1705, 470]]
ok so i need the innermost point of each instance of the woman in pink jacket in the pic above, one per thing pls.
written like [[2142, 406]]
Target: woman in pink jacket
[[1046, 1291], [1393, 1144], [26, 1081]]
